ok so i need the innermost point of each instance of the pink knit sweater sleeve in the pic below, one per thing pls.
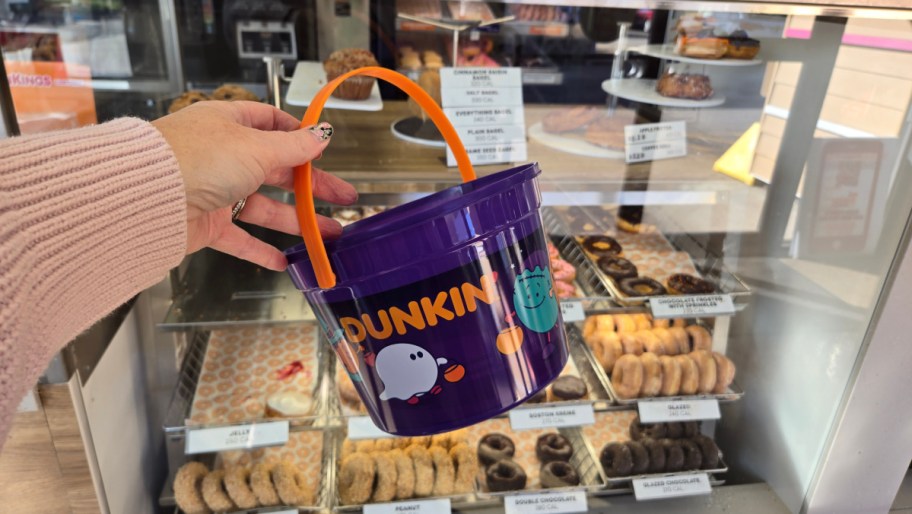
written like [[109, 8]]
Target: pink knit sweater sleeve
[[88, 218]]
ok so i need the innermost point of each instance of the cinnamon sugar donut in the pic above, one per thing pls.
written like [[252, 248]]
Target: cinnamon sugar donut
[[627, 376], [383, 445], [466, 468], [444, 472], [631, 343], [356, 478], [608, 350], [681, 337], [651, 342], [237, 483], [669, 343], [652, 375], [387, 478], [214, 492], [707, 366], [424, 470], [187, 492], [624, 323], [671, 376], [725, 373], [262, 486], [700, 339], [405, 475], [291, 485], [690, 375]]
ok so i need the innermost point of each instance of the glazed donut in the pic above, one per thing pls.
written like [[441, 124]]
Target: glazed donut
[[505, 475], [442, 440], [214, 492], [642, 321], [671, 376], [669, 343], [444, 472], [387, 481], [709, 450], [700, 338], [624, 323], [661, 323], [356, 478], [673, 430], [630, 343], [656, 455], [679, 322], [690, 375], [707, 366], [558, 474], [466, 468], [640, 431], [187, 488], [589, 328], [639, 456], [291, 485], [681, 338], [424, 469], [627, 376], [616, 460], [651, 342], [693, 457], [261, 484], [237, 483], [348, 447], [652, 375], [494, 447], [725, 373], [405, 474], [365, 445], [460, 436], [674, 455], [553, 446], [422, 440], [609, 350]]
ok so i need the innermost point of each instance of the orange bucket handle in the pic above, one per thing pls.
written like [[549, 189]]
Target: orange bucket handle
[[303, 185]]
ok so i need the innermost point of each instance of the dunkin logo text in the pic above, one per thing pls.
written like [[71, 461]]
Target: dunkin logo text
[[424, 312]]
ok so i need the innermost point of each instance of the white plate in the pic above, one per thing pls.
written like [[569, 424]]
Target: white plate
[[309, 77], [572, 145], [667, 52], [644, 90]]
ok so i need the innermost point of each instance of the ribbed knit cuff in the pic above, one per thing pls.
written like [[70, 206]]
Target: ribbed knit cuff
[[88, 218]]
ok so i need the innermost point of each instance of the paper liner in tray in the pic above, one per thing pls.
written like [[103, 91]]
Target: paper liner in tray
[[242, 367]]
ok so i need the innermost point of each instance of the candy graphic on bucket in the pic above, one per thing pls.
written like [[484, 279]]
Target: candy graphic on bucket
[[442, 310]]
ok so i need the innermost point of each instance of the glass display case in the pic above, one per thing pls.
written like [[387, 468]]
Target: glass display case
[[724, 197]]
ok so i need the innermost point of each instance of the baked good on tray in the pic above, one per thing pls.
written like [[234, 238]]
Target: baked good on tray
[[702, 46], [682, 283], [607, 132], [343, 61], [560, 121], [690, 86], [740, 46], [234, 92]]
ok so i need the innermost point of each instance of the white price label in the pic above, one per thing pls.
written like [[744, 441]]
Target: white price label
[[552, 417], [572, 311], [656, 151], [474, 117], [482, 97], [362, 427], [240, 437], [481, 77], [692, 306], [671, 487], [552, 503], [509, 152], [681, 410], [479, 135], [441, 506], [285, 511], [655, 132]]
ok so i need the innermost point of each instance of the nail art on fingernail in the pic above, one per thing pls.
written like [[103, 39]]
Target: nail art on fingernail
[[323, 131]]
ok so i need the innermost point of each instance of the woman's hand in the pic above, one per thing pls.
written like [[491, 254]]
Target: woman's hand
[[226, 151]]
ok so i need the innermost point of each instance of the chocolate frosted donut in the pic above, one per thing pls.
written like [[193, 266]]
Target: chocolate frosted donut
[[505, 475], [674, 455], [616, 460], [693, 456], [681, 283], [616, 267], [641, 286], [656, 455], [710, 451], [640, 431], [495, 447], [553, 447], [602, 245], [558, 474], [640, 457], [568, 388]]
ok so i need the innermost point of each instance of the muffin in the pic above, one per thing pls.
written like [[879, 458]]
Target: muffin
[[232, 92], [343, 61], [186, 100]]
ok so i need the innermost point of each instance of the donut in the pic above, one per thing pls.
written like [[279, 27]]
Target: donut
[[214, 492], [682, 283], [616, 460], [641, 286], [651, 342], [505, 475], [261, 484], [495, 447], [466, 468], [564, 289], [538, 397], [630, 343], [643, 322], [681, 338], [671, 376], [669, 342], [383, 445], [424, 469], [442, 440], [709, 450], [624, 323], [387, 479], [693, 456], [460, 436], [558, 474], [627, 376], [444, 472], [602, 245], [674, 430], [640, 431], [690, 429], [187, 488], [366, 445], [553, 446], [291, 485], [700, 338], [674, 455], [405, 474], [639, 456], [237, 483], [652, 375], [690, 375], [567, 388], [656, 455], [661, 323], [562, 270], [617, 268], [348, 447], [725, 373], [356, 478], [423, 440], [707, 366], [589, 328], [608, 350]]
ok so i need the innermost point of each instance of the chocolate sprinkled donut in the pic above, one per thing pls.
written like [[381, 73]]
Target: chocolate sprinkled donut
[[505, 475], [602, 245], [681, 283], [640, 457], [641, 286], [617, 268], [551, 447], [616, 460], [495, 447], [558, 474]]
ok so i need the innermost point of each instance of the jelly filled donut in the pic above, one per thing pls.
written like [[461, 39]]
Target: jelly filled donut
[[602, 245], [505, 475], [674, 430], [641, 286], [495, 447], [616, 460], [627, 376], [187, 492], [551, 447], [617, 268], [639, 456], [558, 474]]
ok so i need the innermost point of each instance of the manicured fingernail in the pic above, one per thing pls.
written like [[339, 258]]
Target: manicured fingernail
[[322, 132]]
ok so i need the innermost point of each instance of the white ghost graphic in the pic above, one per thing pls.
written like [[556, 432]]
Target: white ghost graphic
[[406, 371]]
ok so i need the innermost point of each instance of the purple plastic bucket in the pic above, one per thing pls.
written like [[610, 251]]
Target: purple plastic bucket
[[443, 312]]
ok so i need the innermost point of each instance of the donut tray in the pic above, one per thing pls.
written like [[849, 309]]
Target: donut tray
[[575, 338]]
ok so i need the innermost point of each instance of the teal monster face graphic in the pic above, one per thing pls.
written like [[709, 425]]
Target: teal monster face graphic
[[534, 300]]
